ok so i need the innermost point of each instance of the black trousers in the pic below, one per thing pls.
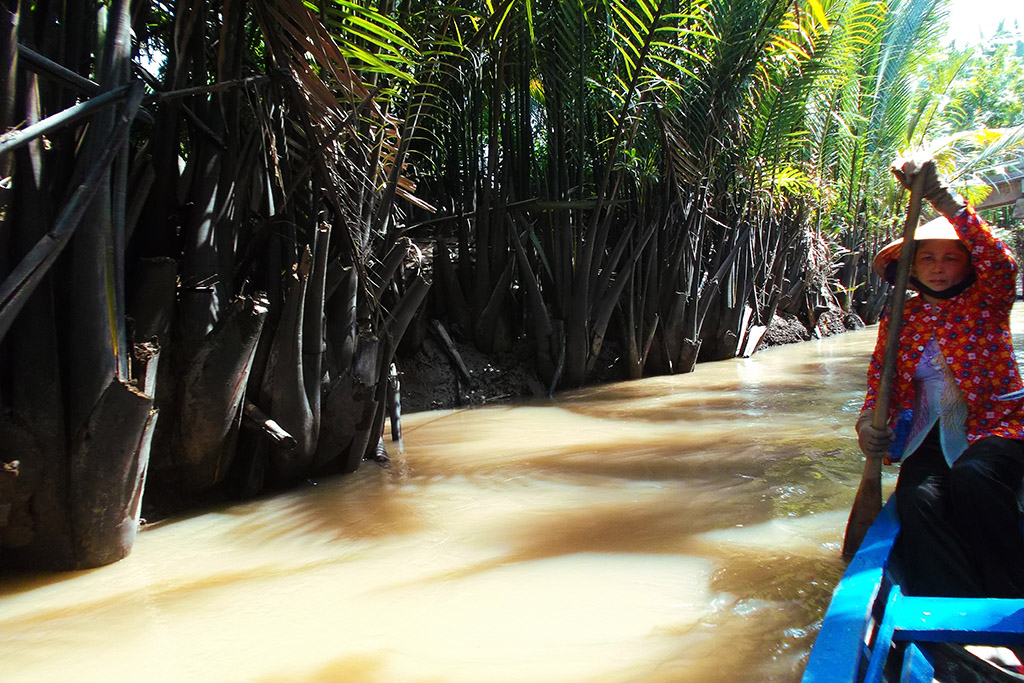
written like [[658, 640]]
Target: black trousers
[[960, 527]]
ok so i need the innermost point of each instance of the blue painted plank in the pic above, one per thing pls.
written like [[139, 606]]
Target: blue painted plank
[[976, 621], [836, 655], [883, 639], [917, 668]]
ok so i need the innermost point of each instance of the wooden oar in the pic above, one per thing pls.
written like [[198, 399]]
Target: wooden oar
[[868, 501]]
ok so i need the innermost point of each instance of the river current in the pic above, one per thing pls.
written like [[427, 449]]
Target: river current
[[672, 529]]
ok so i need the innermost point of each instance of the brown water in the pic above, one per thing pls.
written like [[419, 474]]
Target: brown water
[[673, 529]]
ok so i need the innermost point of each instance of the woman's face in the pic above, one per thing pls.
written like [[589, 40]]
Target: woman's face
[[941, 264]]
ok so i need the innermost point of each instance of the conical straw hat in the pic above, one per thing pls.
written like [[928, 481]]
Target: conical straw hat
[[937, 229]]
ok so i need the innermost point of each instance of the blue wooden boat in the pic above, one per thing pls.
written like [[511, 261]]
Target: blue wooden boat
[[873, 632]]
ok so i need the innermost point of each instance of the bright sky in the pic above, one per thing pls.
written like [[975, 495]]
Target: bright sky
[[969, 20]]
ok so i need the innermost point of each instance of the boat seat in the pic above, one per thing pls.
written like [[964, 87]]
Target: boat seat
[[913, 620], [959, 620]]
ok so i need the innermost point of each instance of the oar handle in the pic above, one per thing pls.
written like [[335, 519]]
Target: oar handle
[[868, 501], [880, 418]]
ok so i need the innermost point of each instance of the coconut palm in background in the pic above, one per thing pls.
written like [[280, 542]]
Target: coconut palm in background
[[928, 98], [222, 218]]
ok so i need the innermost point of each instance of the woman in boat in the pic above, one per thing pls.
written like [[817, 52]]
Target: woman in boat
[[960, 445]]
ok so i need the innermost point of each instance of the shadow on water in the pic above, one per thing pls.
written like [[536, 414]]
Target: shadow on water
[[665, 523]]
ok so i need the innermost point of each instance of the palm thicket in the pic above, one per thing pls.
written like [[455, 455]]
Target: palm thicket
[[234, 227], [209, 267], [664, 172]]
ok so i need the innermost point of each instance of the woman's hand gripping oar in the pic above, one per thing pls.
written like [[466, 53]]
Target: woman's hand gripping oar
[[868, 501]]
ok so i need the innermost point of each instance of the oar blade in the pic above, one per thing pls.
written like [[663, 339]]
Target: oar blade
[[866, 506]]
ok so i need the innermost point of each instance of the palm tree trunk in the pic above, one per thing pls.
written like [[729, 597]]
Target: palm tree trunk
[[96, 326], [284, 384], [108, 465], [313, 341], [212, 396]]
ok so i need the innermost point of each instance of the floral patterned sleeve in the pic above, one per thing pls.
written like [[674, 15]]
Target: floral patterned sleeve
[[993, 261], [875, 366]]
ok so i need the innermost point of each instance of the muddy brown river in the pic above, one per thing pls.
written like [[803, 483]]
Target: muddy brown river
[[672, 529]]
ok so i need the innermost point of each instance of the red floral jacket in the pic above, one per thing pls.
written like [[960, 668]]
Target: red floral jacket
[[973, 334]]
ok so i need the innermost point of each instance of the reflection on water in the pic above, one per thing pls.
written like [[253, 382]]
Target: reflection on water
[[674, 529]]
